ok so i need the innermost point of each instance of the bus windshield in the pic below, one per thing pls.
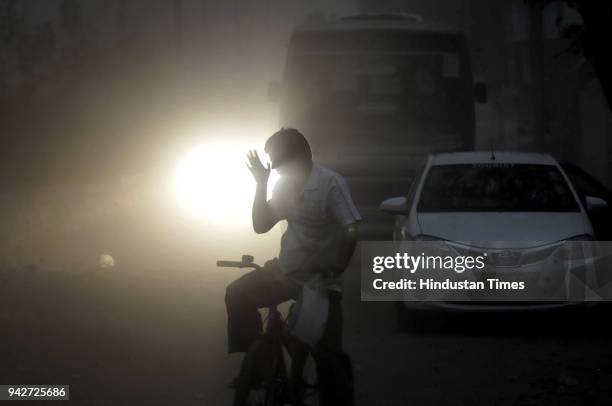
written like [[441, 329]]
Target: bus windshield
[[383, 80]]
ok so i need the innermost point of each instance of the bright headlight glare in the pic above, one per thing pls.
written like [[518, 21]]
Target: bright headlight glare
[[213, 183]]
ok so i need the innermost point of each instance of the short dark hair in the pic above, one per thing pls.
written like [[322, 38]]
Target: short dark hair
[[287, 144]]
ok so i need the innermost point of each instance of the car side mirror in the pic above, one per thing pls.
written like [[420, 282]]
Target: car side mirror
[[480, 92], [274, 92], [395, 205], [595, 203]]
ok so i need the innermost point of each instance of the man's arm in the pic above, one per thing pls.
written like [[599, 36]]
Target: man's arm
[[263, 214], [347, 246], [345, 213]]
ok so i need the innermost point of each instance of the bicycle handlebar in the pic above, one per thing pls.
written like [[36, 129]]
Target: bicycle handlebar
[[231, 264], [247, 262]]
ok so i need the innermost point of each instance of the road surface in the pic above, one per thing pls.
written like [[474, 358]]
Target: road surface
[[151, 330]]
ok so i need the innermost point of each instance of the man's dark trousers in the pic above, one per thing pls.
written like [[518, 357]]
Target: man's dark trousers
[[259, 289]]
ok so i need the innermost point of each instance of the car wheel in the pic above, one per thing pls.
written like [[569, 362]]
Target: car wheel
[[408, 319], [418, 320]]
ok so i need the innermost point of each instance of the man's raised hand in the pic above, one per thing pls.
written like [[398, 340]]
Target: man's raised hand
[[260, 173]]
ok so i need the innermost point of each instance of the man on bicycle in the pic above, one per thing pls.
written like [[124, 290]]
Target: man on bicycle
[[318, 243]]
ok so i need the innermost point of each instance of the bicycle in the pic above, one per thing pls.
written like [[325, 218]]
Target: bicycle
[[277, 370]]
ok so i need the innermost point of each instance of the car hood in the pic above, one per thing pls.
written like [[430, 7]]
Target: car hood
[[522, 229]]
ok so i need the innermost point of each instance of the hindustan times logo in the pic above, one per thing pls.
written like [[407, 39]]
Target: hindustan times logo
[[412, 263]]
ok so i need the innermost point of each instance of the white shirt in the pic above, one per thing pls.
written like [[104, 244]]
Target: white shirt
[[315, 218]]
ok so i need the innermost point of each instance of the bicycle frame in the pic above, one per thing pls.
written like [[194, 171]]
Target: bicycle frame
[[284, 383], [289, 359]]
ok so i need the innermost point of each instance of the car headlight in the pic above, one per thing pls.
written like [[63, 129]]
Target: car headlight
[[577, 248], [583, 237], [424, 237], [436, 246]]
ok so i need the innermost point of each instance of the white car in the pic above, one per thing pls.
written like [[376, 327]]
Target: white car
[[522, 199]]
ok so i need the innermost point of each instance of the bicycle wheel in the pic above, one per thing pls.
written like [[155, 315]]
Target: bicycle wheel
[[263, 379], [256, 371], [309, 390], [276, 383]]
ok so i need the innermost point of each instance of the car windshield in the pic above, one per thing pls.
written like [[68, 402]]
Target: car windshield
[[381, 80], [496, 187]]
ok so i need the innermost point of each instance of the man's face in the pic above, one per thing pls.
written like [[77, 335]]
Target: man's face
[[289, 169], [294, 169]]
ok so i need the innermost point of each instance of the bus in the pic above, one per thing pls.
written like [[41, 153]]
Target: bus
[[376, 93]]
